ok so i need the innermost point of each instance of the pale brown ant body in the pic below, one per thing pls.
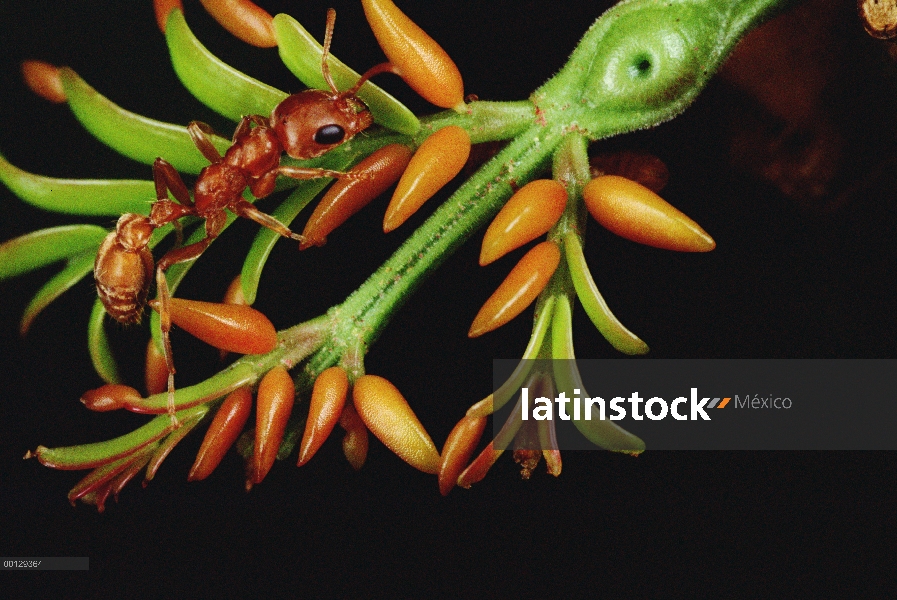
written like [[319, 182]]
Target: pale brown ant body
[[304, 125]]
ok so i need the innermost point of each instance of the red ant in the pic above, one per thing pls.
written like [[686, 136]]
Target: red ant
[[305, 125]]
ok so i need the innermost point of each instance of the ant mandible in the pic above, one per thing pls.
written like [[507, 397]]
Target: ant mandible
[[304, 125]]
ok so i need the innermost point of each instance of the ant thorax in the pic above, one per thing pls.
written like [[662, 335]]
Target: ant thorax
[[255, 153]]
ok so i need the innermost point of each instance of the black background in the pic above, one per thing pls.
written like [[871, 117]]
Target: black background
[[785, 281]]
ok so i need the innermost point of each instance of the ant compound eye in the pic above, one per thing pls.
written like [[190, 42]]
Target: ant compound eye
[[329, 134]]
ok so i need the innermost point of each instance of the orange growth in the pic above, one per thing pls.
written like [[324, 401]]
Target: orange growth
[[155, 372], [231, 327], [222, 433], [389, 417], [634, 212], [273, 406], [458, 448], [111, 396], [531, 212], [327, 400], [370, 178], [436, 162], [522, 285], [420, 61], [245, 20], [355, 442]]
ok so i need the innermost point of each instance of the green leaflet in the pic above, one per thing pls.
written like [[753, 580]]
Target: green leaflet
[[130, 134], [544, 313], [89, 197], [77, 267], [240, 373], [46, 246], [98, 346], [87, 456], [301, 54], [102, 475], [219, 86], [266, 238], [605, 434], [610, 327], [165, 447]]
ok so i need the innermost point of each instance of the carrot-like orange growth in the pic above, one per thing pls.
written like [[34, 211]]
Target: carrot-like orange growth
[[373, 176], [111, 396], [163, 8], [458, 447], [222, 433], [327, 400], [531, 212], [230, 327], [386, 413], [233, 295], [636, 213], [43, 79], [522, 285], [245, 20], [355, 442], [420, 61], [273, 406], [155, 373], [436, 162]]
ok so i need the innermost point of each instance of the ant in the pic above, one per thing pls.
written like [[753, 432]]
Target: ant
[[304, 125]]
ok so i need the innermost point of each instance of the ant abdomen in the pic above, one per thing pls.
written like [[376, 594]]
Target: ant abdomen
[[124, 267]]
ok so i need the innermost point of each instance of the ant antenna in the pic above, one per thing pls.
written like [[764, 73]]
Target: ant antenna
[[328, 36], [325, 68]]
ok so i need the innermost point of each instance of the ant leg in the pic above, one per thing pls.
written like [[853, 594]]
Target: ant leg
[[214, 225], [244, 125], [242, 128], [313, 173], [166, 178], [199, 133], [178, 233], [164, 210], [244, 209], [259, 120], [264, 185]]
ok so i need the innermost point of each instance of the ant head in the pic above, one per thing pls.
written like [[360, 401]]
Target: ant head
[[310, 123]]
